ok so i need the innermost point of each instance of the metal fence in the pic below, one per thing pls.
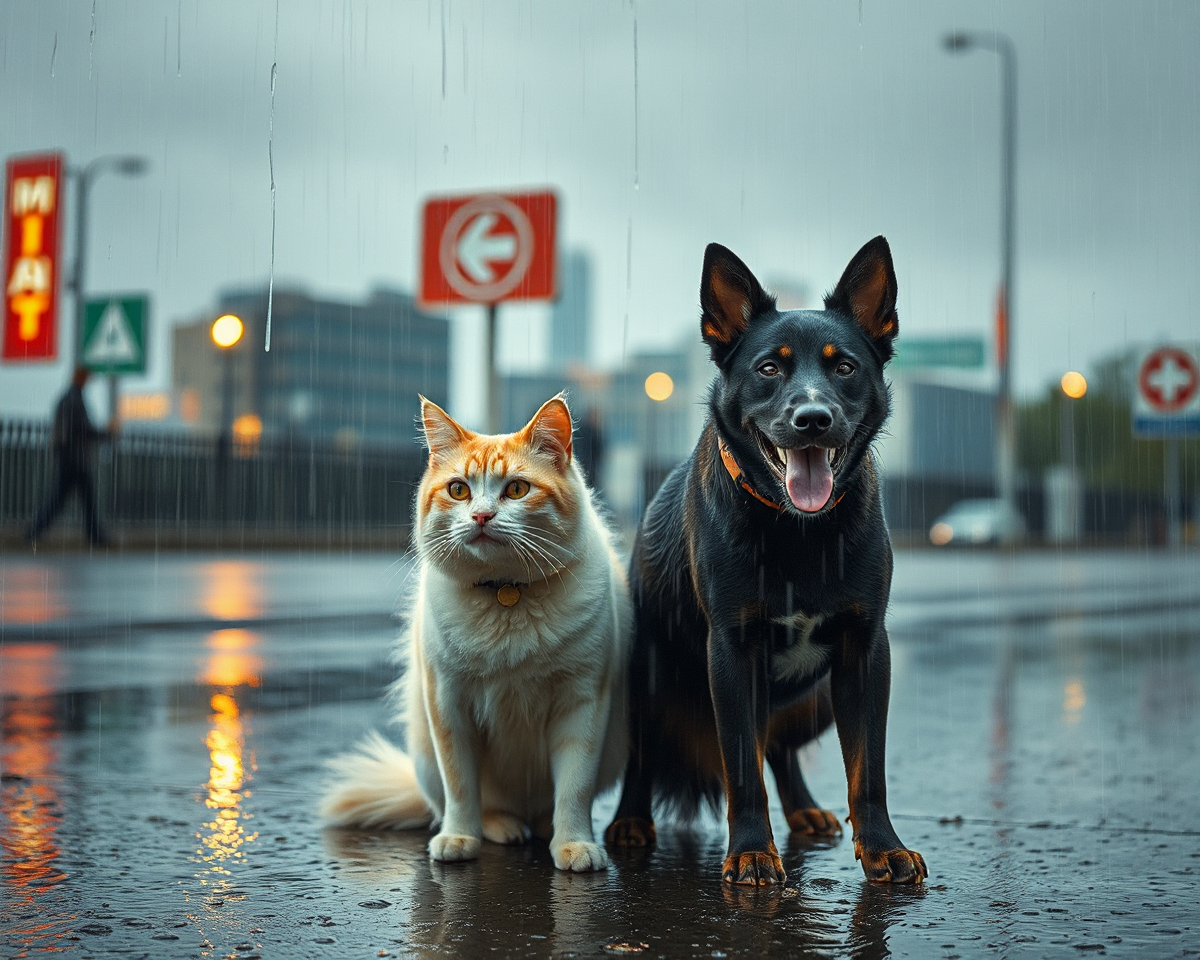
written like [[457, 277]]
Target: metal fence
[[184, 482]]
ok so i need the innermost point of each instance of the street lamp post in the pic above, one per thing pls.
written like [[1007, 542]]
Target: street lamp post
[[1006, 432], [226, 333], [127, 166]]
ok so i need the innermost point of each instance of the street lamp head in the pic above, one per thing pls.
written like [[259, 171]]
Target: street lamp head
[[659, 386], [1073, 385], [957, 42], [227, 331], [132, 166]]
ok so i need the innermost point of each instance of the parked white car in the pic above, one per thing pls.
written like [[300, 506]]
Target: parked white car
[[977, 522]]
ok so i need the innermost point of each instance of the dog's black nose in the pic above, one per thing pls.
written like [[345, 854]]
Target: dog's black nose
[[812, 420]]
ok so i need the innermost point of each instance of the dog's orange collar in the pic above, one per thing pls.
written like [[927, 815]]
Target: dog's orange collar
[[734, 469]]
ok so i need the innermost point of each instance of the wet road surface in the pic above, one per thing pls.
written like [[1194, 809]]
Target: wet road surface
[[165, 722]]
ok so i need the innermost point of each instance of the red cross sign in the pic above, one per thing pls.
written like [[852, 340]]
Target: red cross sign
[[1166, 400]]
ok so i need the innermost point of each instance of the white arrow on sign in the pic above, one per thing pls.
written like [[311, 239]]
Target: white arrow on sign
[[478, 245], [112, 343], [468, 249]]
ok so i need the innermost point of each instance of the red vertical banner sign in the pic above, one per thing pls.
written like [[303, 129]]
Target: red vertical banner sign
[[32, 194]]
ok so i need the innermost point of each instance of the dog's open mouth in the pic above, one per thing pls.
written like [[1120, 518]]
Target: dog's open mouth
[[806, 472]]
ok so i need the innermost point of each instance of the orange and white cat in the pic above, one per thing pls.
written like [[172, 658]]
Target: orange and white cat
[[514, 697]]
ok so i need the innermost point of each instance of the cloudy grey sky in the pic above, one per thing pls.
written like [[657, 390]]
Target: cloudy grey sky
[[791, 132]]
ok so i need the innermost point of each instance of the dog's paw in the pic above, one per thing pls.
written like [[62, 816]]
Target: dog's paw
[[450, 848], [579, 856], [893, 866], [631, 832], [499, 827], [814, 822], [759, 868]]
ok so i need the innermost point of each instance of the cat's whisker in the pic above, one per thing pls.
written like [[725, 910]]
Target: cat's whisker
[[561, 564], [546, 554]]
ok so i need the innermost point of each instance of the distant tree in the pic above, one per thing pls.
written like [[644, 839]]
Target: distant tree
[[1106, 451]]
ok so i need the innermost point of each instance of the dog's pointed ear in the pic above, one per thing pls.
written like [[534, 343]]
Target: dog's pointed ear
[[730, 297], [867, 292]]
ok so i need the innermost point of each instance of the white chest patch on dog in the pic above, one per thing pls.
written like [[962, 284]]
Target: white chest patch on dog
[[801, 657]]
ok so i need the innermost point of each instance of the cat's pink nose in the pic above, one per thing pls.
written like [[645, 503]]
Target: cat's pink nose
[[483, 516]]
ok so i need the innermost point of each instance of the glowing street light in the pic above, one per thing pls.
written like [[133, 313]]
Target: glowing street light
[[227, 331], [1073, 385], [659, 386]]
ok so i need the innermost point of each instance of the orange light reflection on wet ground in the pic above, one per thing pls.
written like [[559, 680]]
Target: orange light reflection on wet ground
[[31, 595], [232, 661], [29, 803], [223, 837], [232, 589]]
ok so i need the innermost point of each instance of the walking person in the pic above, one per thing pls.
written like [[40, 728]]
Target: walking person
[[73, 438]]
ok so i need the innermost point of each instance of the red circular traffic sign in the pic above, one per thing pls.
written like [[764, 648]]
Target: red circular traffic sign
[[1168, 379], [488, 248]]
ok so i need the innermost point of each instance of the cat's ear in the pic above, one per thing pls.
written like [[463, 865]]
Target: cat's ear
[[442, 433], [550, 431]]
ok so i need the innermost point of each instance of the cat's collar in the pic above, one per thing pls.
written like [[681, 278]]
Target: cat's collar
[[508, 593]]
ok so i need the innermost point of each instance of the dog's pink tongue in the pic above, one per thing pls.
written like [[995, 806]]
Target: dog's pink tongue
[[809, 478]]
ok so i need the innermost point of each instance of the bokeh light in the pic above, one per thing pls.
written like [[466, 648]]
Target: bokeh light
[[1074, 385], [659, 386]]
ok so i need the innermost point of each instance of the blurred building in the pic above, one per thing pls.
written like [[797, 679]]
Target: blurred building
[[348, 372], [571, 315], [938, 446]]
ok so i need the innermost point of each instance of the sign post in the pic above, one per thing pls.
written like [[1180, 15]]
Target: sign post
[[488, 248], [32, 193], [1166, 404]]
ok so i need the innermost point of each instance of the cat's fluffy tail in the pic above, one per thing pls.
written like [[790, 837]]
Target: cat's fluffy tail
[[375, 786]]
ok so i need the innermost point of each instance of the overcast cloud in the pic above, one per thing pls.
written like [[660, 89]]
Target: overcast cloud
[[790, 132]]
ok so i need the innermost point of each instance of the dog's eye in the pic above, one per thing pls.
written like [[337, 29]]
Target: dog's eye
[[768, 369], [458, 490], [844, 369]]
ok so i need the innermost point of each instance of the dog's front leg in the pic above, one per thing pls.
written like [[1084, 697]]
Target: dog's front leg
[[737, 678], [860, 683], [575, 744]]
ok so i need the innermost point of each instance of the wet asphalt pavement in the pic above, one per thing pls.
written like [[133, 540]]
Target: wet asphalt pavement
[[165, 721]]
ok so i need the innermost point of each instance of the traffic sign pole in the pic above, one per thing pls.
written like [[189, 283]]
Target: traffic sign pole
[[1166, 404], [1173, 500], [493, 377], [488, 248]]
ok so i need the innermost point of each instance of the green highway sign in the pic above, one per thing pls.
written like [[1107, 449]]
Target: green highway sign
[[961, 352], [114, 334]]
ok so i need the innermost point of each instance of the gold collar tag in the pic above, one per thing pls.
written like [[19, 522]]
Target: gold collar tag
[[508, 595]]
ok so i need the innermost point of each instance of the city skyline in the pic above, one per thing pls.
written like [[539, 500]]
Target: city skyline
[[791, 135]]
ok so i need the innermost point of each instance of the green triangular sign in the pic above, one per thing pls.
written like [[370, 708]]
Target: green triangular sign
[[112, 344]]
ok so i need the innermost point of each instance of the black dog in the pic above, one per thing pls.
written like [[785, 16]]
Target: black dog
[[761, 575]]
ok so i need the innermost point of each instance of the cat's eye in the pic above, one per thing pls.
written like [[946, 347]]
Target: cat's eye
[[458, 490], [844, 369], [768, 369], [516, 489]]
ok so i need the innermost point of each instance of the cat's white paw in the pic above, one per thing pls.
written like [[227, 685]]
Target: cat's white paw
[[499, 827], [449, 847], [580, 857]]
